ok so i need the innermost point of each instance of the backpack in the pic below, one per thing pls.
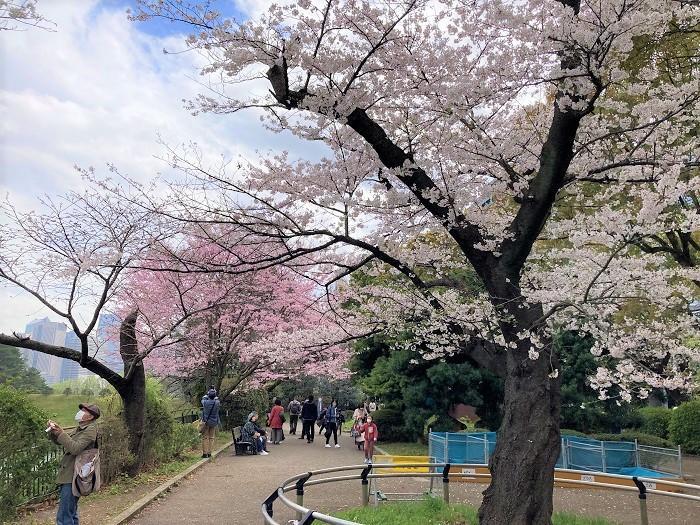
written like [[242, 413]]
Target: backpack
[[86, 473]]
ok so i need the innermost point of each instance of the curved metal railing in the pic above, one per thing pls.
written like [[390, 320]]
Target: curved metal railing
[[446, 472]]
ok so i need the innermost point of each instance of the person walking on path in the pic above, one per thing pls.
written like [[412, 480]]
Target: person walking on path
[[309, 415], [294, 409], [276, 420], [304, 429], [210, 418], [252, 433], [371, 434], [84, 436], [360, 413], [332, 424]]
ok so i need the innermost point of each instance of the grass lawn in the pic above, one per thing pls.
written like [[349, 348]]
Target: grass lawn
[[62, 408], [403, 449], [436, 512]]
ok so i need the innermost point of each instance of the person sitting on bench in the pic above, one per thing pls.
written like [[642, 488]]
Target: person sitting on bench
[[254, 434]]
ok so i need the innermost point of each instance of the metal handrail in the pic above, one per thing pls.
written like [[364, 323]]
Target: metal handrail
[[306, 516]]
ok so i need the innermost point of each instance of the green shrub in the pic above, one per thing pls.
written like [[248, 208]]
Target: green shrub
[[24, 447], [684, 428], [655, 421], [114, 446], [235, 410], [160, 424], [631, 435], [159, 429], [569, 432], [390, 423], [184, 438]]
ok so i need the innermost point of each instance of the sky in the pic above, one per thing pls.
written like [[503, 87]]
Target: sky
[[99, 90]]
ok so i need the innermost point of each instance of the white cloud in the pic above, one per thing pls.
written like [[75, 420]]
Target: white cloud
[[100, 90]]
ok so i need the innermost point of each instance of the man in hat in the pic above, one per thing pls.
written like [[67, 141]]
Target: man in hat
[[84, 436], [210, 418]]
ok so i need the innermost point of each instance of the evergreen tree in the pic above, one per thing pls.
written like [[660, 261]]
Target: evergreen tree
[[14, 372]]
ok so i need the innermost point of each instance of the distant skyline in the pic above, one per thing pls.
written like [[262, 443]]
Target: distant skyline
[[55, 369], [100, 90]]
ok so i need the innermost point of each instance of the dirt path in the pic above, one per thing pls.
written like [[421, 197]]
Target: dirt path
[[230, 491]]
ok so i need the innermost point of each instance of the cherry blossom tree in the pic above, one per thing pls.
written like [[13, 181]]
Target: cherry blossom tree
[[488, 122], [203, 314], [71, 258], [18, 14]]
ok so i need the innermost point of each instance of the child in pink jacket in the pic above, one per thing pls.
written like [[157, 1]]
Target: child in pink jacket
[[371, 434]]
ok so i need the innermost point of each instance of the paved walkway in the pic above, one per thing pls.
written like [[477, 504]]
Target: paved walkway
[[231, 488], [230, 491]]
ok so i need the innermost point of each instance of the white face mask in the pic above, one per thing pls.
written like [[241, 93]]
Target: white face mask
[[79, 415]]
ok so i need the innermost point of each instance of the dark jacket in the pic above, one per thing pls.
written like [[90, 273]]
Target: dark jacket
[[210, 411], [248, 431], [309, 412]]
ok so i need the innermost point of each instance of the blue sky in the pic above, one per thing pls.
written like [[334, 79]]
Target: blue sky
[[161, 27], [100, 90]]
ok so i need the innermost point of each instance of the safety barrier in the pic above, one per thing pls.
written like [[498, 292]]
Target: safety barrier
[[615, 457], [444, 472]]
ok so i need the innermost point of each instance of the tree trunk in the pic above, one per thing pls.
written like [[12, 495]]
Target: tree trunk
[[134, 400], [528, 444], [133, 392]]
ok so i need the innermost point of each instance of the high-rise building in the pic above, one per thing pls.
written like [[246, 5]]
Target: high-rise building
[[71, 369], [45, 331], [107, 335]]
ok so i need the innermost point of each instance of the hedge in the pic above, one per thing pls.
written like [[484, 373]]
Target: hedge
[[631, 435], [235, 410], [684, 428], [25, 451], [570, 432], [655, 421], [390, 424]]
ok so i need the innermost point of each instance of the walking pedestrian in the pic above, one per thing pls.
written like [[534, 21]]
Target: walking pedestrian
[[210, 420], [276, 420], [371, 435], [359, 414], [332, 424], [309, 414], [83, 437], [294, 409]]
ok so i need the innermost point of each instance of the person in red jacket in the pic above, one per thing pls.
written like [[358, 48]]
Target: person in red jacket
[[276, 421], [371, 435]]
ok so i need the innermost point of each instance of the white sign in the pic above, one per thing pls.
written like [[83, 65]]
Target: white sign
[[649, 485], [468, 471], [587, 477]]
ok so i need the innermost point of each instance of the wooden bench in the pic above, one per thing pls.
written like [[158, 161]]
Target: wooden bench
[[242, 447]]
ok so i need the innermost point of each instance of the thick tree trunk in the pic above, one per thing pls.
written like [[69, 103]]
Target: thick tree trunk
[[134, 400], [522, 466], [133, 392]]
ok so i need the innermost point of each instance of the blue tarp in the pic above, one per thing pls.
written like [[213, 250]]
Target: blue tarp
[[615, 457]]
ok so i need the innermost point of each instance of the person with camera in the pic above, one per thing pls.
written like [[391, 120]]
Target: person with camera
[[81, 438], [209, 421]]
